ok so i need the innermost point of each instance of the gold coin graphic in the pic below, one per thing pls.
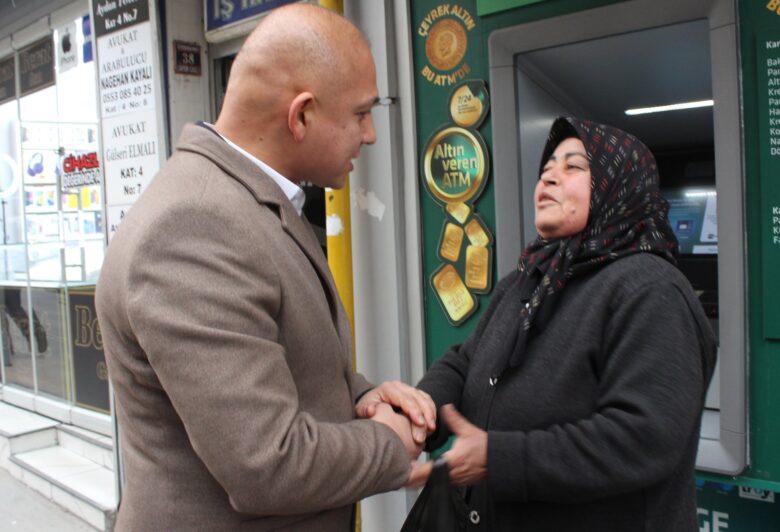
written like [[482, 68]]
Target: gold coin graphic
[[446, 44]]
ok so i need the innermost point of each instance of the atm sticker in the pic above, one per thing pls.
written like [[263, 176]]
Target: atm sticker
[[756, 494]]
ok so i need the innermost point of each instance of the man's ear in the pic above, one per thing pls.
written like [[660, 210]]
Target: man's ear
[[297, 119]]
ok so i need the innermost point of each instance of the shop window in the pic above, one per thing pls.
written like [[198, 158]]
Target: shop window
[[51, 194]]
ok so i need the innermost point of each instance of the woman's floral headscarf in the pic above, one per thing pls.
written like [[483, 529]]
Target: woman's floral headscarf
[[627, 215]]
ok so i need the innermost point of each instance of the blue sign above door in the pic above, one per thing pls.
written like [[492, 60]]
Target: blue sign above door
[[221, 13]]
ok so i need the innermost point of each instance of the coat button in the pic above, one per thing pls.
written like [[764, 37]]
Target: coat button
[[474, 517], [493, 381], [527, 305]]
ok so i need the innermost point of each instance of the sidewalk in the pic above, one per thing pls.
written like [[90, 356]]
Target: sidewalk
[[24, 510]]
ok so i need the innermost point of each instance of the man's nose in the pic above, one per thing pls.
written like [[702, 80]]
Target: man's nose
[[369, 133]]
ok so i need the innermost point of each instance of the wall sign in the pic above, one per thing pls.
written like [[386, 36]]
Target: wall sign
[[724, 507], [455, 164], [67, 54], [86, 29], [469, 103], [7, 79], [445, 29], [187, 56], [129, 81], [79, 170], [224, 13], [115, 15], [768, 65], [36, 66]]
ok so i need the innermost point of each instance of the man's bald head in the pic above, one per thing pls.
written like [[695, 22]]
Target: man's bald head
[[302, 84], [299, 47]]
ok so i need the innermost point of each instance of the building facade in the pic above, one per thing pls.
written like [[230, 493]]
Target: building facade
[[93, 95]]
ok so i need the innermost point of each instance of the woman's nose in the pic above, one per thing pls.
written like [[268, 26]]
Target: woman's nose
[[551, 177]]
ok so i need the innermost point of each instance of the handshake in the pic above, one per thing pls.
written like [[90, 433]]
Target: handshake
[[467, 460]]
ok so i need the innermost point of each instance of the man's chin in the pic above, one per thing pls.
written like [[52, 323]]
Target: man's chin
[[339, 182]]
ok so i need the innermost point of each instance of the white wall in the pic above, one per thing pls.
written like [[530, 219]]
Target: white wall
[[385, 231], [188, 96]]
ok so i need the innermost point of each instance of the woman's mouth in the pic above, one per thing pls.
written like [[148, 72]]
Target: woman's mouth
[[545, 199]]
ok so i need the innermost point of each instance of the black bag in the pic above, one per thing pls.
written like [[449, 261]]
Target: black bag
[[440, 507]]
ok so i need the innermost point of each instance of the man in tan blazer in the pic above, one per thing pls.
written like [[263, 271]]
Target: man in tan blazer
[[226, 342]]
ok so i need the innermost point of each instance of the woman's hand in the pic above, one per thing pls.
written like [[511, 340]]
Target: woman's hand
[[415, 404], [467, 460]]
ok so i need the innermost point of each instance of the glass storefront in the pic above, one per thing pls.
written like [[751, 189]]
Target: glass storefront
[[52, 218]]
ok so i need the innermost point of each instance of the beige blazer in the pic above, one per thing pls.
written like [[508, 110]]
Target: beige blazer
[[229, 353]]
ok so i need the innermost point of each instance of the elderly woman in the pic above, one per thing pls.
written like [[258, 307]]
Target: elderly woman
[[582, 388]]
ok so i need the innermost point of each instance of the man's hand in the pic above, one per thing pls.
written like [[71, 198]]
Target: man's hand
[[416, 404], [467, 460], [400, 425]]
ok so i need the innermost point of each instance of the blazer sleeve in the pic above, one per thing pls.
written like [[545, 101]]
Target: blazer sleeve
[[203, 309], [358, 386], [650, 401]]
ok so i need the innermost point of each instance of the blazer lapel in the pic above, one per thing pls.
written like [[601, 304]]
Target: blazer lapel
[[299, 229], [203, 140]]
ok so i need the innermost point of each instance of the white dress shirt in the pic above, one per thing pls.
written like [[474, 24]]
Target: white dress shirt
[[293, 192]]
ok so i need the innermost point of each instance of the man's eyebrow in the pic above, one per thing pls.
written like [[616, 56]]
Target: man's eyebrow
[[370, 103]]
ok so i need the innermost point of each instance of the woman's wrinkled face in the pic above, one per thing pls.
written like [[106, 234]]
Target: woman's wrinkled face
[[562, 196]]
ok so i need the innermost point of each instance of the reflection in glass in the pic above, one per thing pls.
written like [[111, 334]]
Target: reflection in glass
[[49, 335], [15, 327]]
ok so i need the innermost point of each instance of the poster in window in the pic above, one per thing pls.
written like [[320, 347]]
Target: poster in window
[[70, 225], [67, 51], [91, 198], [40, 199], [40, 136], [40, 166], [42, 228]]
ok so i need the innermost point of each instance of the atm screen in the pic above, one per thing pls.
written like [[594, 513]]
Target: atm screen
[[694, 220], [693, 217]]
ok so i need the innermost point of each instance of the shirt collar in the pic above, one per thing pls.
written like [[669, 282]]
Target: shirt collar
[[293, 192]]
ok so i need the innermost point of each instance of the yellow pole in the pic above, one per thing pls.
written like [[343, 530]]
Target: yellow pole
[[340, 250], [339, 242], [340, 236]]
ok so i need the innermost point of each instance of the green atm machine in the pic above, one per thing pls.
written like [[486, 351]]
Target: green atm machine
[[719, 160]]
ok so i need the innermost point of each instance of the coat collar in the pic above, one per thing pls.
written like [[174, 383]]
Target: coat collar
[[201, 139]]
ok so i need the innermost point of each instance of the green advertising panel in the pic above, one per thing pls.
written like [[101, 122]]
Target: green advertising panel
[[768, 94], [458, 213], [759, 30], [486, 7], [725, 507]]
